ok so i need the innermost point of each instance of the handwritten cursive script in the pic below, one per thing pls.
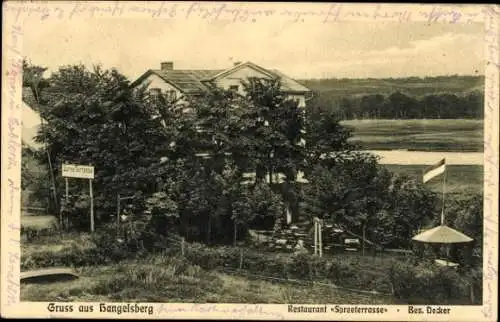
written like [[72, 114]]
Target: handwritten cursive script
[[240, 12], [10, 175], [240, 311], [490, 272]]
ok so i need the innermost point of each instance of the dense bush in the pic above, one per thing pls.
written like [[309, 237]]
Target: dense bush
[[159, 275], [426, 283], [297, 266]]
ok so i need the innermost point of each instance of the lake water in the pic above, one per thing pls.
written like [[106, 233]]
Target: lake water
[[403, 157]]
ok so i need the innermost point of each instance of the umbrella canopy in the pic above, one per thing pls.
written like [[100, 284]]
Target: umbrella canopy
[[442, 234]]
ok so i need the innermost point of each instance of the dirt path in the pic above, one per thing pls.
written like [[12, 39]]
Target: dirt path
[[403, 157]]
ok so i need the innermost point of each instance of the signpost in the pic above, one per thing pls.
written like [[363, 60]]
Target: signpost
[[82, 172]]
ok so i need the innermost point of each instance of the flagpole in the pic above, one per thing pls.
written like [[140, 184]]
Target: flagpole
[[444, 193]]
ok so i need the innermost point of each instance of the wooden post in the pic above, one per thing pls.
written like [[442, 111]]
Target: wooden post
[[315, 236], [67, 201], [118, 216], [91, 206], [182, 246], [471, 292], [235, 235], [320, 236], [363, 249], [241, 258], [67, 188]]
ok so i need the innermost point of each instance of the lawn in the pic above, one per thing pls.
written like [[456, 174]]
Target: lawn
[[38, 222], [460, 179], [419, 135], [161, 279]]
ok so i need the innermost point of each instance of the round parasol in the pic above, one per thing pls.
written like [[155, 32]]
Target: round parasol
[[443, 235]]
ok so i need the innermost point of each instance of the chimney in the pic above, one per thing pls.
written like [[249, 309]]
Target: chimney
[[167, 65], [236, 63]]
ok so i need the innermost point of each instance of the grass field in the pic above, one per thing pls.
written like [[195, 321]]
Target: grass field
[[162, 281], [420, 135], [460, 179], [412, 85], [37, 222]]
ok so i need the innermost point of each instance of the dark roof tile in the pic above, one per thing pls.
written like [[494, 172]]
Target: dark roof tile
[[194, 81], [189, 81]]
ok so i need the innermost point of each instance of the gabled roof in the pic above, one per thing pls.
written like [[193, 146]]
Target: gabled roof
[[195, 81], [185, 80], [240, 66]]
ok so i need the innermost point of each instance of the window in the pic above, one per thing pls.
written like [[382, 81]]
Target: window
[[155, 94], [234, 88], [172, 95]]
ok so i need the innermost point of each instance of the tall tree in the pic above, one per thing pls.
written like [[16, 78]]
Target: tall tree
[[96, 118], [274, 128], [325, 137], [35, 82]]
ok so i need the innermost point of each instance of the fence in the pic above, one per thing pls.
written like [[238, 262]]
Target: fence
[[253, 264]]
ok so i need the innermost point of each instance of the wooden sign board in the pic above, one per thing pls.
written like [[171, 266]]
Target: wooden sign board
[[77, 171]]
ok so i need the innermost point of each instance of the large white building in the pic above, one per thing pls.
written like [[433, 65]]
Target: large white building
[[179, 83]]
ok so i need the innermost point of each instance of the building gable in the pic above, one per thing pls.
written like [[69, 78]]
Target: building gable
[[195, 82], [233, 78]]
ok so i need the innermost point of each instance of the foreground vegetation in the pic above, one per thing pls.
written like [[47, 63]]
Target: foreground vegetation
[[172, 280], [201, 275]]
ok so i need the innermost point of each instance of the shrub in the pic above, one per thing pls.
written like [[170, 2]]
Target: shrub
[[164, 276], [424, 283]]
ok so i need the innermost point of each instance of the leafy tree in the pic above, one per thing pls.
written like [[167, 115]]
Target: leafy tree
[[35, 182], [466, 215], [324, 136], [96, 118], [35, 82], [403, 105], [409, 207], [273, 128], [372, 106], [343, 191]]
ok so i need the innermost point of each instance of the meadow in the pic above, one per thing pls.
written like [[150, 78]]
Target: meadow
[[37, 222], [169, 280], [414, 85], [461, 180], [169, 277], [222, 274], [452, 135]]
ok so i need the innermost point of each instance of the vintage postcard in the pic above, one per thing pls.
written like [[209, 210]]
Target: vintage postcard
[[241, 160]]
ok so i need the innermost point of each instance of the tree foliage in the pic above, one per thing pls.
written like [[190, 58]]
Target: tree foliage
[[403, 105], [149, 147]]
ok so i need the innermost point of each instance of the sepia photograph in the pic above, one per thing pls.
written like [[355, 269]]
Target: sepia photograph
[[205, 154]]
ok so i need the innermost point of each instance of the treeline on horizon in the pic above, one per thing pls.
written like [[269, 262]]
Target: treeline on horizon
[[400, 105], [437, 97]]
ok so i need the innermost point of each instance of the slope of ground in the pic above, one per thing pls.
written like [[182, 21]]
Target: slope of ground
[[413, 85], [419, 135]]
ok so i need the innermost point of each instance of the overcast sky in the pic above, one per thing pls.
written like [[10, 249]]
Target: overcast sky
[[307, 50]]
